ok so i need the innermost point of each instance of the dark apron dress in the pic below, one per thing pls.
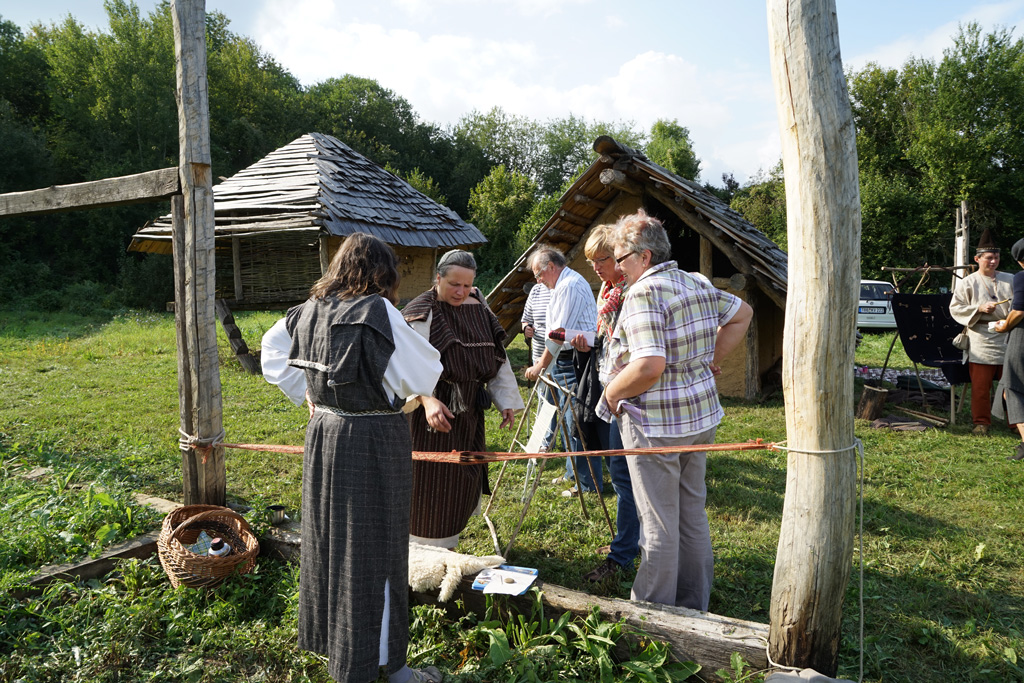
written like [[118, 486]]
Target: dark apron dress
[[469, 339], [356, 483]]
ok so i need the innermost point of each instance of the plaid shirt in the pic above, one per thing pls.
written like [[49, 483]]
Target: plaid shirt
[[675, 315]]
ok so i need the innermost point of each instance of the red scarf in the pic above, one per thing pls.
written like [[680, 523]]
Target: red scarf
[[608, 314]]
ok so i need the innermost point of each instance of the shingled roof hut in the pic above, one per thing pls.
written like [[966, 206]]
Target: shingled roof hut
[[707, 237], [279, 221]]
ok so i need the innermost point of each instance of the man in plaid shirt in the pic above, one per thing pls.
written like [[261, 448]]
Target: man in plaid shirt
[[673, 331]]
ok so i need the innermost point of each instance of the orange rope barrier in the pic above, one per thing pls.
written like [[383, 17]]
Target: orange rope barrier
[[479, 457]]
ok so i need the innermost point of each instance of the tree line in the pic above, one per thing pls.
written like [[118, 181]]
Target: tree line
[[78, 105]]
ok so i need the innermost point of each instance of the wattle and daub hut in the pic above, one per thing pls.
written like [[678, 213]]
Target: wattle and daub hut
[[706, 235], [279, 221]]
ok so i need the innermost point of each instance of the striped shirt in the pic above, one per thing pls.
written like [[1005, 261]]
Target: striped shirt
[[535, 313], [672, 314], [572, 305]]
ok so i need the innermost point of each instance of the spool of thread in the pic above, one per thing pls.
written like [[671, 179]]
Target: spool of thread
[[218, 547]]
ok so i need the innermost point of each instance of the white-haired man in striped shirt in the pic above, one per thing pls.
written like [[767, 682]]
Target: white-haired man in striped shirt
[[572, 307]]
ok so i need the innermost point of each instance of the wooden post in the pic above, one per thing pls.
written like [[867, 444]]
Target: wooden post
[[962, 242], [236, 266], [325, 253], [706, 250], [819, 155], [196, 267]]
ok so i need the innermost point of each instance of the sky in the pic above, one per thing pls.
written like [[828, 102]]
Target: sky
[[703, 64]]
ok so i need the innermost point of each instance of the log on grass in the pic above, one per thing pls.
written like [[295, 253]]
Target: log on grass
[[872, 402]]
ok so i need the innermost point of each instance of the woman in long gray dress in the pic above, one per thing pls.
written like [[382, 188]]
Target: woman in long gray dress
[[360, 361], [1013, 365]]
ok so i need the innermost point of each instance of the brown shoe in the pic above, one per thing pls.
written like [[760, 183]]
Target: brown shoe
[[607, 568], [980, 430]]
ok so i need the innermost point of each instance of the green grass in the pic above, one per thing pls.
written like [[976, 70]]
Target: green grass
[[874, 348], [95, 398]]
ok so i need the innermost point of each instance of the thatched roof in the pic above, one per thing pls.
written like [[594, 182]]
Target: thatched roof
[[620, 169], [318, 184]]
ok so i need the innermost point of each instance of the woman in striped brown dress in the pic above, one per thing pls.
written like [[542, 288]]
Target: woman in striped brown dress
[[454, 318]]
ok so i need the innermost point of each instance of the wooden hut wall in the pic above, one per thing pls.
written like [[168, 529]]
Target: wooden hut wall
[[271, 268], [415, 265]]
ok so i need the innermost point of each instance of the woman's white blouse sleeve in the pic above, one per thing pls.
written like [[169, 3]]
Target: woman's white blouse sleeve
[[276, 345], [415, 366]]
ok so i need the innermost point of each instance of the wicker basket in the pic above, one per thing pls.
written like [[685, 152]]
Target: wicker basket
[[182, 527]]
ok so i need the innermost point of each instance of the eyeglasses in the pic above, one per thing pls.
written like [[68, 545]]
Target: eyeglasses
[[624, 257], [595, 261]]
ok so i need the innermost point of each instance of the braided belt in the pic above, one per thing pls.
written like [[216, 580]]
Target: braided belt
[[343, 413]]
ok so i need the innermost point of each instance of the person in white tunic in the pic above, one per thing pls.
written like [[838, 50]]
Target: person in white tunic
[[351, 354], [980, 298]]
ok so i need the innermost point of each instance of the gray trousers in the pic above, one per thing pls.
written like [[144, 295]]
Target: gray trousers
[[676, 562]]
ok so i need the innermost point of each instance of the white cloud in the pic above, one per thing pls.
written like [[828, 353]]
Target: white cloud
[[614, 21], [445, 76]]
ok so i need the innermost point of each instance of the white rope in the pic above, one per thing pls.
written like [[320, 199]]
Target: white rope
[[189, 441]]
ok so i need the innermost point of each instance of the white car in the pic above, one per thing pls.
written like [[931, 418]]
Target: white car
[[874, 310]]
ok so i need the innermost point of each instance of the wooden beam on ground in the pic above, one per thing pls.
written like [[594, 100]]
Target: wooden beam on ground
[[198, 263], [701, 637], [819, 154], [94, 567], [150, 186]]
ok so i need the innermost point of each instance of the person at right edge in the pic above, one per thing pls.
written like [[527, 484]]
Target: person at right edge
[[1012, 385], [978, 299], [673, 331]]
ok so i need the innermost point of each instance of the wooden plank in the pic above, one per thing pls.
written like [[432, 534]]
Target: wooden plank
[[140, 547], [819, 156], [189, 19], [150, 186]]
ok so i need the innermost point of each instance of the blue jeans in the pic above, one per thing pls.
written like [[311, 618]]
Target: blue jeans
[[564, 376], [625, 545], [551, 433]]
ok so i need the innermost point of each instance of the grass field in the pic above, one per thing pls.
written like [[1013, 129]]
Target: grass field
[[95, 399]]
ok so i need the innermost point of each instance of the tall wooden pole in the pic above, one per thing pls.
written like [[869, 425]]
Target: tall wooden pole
[[819, 154], [198, 371]]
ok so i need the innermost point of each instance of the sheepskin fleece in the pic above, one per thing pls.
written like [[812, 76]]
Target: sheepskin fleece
[[431, 567]]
